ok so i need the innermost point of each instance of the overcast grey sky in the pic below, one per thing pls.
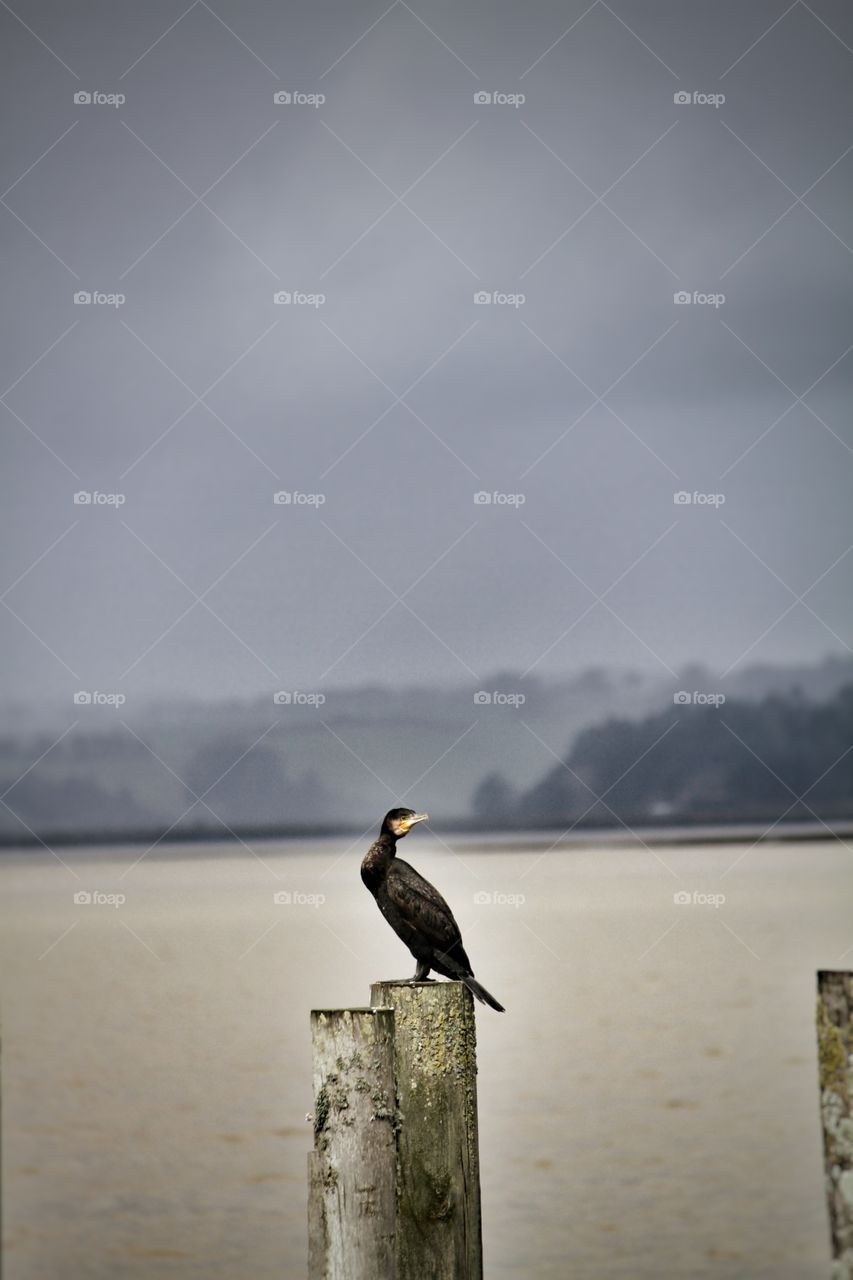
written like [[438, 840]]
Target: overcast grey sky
[[396, 399]]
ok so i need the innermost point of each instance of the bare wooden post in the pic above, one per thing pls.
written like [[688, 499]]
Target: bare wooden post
[[394, 1177], [435, 1048], [835, 1059], [352, 1170]]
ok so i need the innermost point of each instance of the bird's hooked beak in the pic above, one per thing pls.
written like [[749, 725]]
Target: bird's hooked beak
[[415, 818]]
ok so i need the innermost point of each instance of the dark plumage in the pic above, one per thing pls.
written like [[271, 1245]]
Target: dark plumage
[[415, 910]]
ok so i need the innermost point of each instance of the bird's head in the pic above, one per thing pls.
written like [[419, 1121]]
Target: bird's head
[[398, 822]]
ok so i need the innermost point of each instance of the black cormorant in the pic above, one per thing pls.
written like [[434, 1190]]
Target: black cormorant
[[415, 910]]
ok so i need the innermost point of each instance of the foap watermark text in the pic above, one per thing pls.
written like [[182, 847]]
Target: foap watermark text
[[94, 498], [296, 698], [698, 699], [695, 98], [297, 298], [296, 98], [684, 298], [96, 298], [495, 698], [681, 898], [497, 298], [95, 698], [95, 98], [497, 499], [498, 98], [85, 898], [487, 898], [294, 498], [682, 498]]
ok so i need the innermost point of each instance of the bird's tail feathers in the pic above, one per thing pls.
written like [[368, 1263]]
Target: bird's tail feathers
[[450, 967], [481, 993]]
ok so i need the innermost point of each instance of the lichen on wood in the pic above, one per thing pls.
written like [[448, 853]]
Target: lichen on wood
[[835, 1068], [439, 1229], [394, 1185]]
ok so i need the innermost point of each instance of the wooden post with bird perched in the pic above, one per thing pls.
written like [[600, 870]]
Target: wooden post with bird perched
[[394, 1179], [835, 1065]]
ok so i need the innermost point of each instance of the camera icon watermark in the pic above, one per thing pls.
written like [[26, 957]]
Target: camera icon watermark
[[485, 898], [497, 298], [684, 298], [497, 698], [682, 498], [296, 298], [498, 499], [295, 498], [696, 98], [83, 898], [498, 98], [681, 898], [94, 498], [697, 699], [95, 698], [296, 698], [83, 98], [295, 98], [295, 898]]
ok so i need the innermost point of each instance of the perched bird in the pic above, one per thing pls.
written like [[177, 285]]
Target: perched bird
[[415, 910]]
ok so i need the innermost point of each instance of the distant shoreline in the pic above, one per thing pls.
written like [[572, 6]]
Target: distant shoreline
[[521, 837]]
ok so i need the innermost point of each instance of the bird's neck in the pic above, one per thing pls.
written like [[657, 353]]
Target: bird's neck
[[378, 858]]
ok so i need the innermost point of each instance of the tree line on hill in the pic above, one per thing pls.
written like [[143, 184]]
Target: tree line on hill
[[738, 762], [746, 760]]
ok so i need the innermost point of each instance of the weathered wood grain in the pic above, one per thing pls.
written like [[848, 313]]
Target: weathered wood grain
[[352, 1171], [835, 1061], [438, 1224]]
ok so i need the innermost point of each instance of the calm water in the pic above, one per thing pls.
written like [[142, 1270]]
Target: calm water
[[648, 1103]]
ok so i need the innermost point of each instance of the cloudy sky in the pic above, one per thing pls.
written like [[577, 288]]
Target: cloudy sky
[[380, 197]]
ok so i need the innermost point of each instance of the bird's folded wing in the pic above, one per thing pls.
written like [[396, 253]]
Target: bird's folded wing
[[423, 907]]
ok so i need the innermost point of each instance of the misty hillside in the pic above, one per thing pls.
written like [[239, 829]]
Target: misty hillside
[[783, 757], [459, 750]]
